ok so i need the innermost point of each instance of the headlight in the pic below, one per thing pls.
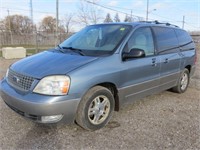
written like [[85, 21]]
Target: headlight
[[53, 85]]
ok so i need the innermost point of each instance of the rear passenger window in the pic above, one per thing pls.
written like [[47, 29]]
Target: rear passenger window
[[183, 37], [166, 39]]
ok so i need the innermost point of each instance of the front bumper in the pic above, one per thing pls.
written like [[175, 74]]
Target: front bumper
[[34, 106]]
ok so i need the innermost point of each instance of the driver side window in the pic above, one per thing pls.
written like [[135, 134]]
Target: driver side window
[[142, 39]]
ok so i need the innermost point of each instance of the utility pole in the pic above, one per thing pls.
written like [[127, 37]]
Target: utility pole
[[11, 37], [31, 12], [57, 22], [147, 11], [183, 23]]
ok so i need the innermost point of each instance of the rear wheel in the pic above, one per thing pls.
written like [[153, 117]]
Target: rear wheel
[[183, 82], [95, 109]]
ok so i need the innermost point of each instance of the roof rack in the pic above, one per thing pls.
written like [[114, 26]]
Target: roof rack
[[157, 22]]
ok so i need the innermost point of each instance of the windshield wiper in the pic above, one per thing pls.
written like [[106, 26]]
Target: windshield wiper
[[75, 50], [60, 48]]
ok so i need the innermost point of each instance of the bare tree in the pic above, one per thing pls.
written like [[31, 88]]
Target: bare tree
[[67, 22], [2, 25], [18, 24], [88, 13], [48, 24]]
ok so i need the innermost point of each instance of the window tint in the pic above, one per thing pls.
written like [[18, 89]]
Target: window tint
[[183, 37], [142, 39], [166, 38]]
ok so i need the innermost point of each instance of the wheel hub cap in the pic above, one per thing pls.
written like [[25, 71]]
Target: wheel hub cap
[[99, 110], [184, 81]]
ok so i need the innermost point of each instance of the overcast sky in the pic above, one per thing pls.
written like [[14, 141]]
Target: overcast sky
[[166, 10]]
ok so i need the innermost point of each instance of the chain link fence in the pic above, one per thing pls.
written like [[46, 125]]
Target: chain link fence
[[31, 40]]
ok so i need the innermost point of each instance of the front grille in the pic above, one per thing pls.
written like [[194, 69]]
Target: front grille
[[30, 116], [19, 81]]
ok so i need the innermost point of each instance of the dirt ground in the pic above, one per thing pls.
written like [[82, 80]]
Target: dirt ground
[[162, 121]]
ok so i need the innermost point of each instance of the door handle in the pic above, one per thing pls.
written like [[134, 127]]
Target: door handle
[[166, 60], [154, 62]]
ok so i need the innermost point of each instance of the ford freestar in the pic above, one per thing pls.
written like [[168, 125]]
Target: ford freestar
[[97, 70]]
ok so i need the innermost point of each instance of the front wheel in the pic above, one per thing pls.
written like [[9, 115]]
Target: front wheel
[[95, 108], [183, 82]]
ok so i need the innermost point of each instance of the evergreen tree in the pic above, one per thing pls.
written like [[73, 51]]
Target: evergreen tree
[[108, 18], [127, 19], [116, 19]]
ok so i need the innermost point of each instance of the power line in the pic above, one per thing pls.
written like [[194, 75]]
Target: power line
[[107, 7], [110, 8], [27, 10], [188, 24], [166, 18]]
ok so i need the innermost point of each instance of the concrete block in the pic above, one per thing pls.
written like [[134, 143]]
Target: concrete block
[[13, 52]]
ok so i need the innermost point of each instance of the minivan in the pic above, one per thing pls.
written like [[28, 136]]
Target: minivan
[[98, 70]]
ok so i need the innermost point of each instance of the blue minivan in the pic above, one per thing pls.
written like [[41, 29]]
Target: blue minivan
[[97, 70]]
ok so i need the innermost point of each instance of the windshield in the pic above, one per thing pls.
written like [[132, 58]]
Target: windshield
[[97, 39]]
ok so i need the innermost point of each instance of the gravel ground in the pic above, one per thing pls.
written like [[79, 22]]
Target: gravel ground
[[162, 121]]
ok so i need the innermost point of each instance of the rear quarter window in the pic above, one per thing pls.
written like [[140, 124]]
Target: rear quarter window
[[183, 37], [166, 39]]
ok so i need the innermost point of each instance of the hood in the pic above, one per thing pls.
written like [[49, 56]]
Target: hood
[[50, 63]]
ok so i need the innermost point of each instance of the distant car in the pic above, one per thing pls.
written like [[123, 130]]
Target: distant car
[[97, 70]]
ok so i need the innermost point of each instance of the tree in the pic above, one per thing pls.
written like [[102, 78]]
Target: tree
[[68, 22], [2, 26], [88, 13], [48, 24], [127, 19], [116, 19], [108, 18], [18, 24]]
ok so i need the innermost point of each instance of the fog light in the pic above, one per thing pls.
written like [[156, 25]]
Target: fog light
[[51, 119]]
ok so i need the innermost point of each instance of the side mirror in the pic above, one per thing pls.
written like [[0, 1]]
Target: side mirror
[[134, 53]]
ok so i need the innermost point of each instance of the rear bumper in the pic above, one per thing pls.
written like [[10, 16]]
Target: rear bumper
[[34, 106]]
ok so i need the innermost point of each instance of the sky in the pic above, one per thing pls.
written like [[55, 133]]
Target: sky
[[171, 11]]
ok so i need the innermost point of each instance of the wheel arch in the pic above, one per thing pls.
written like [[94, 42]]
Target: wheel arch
[[188, 67], [112, 87]]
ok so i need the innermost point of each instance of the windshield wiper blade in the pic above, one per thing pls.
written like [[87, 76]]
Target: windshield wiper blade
[[77, 50], [60, 48]]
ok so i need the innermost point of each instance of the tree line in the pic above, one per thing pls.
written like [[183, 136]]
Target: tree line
[[86, 15], [19, 24]]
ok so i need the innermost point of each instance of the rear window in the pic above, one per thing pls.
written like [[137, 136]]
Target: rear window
[[166, 38], [183, 37]]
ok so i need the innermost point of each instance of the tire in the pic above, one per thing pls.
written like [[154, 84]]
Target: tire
[[183, 82], [95, 109]]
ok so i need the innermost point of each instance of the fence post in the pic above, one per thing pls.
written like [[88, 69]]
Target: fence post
[[36, 42], [11, 37], [1, 38]]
